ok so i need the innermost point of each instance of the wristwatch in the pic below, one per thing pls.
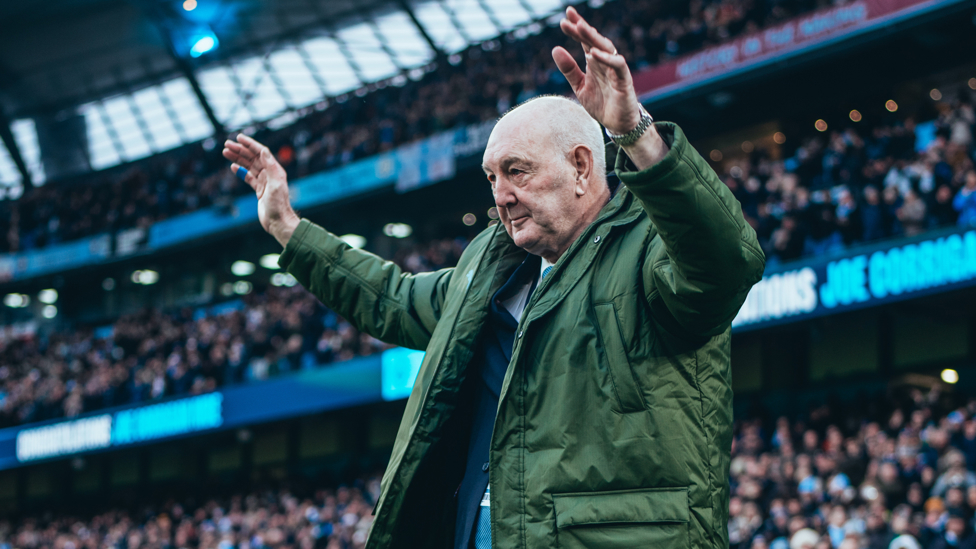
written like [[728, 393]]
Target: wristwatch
[[633, 135]]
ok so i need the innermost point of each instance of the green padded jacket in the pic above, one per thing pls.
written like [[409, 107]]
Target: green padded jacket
[[614, 423]]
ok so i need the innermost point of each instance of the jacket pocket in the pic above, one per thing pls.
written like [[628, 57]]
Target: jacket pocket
[[625, 386], [654, 518]]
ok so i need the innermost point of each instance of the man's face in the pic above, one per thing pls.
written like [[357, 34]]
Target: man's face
[[534, 188]]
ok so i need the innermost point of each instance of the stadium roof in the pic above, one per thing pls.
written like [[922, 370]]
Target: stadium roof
[[150, 75]]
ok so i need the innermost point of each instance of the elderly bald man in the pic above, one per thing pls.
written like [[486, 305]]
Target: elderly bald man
[[575, 389]]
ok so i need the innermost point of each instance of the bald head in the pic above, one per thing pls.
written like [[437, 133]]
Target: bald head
[[546, 163], [561, 122]]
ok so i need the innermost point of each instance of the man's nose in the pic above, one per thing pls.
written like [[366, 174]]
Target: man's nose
[[504, 194]]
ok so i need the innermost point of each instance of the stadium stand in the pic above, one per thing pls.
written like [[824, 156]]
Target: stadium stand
[[889, 471], [156, 354], [476, 86]]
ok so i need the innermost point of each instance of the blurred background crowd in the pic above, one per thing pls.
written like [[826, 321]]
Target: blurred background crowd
[[873, 473], [333, 518], [155, 354], [475, 85]]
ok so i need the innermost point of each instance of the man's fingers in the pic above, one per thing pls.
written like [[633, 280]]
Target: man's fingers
[[614, 61], [253, 146], [570, 30], [595, 39], [239, 149], [250, 179], [567, 65]]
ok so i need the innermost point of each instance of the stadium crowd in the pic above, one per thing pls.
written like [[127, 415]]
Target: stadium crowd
[[473, 86], [881, 473], [154, 354], [860, 184], [334, 518], [875, 473]]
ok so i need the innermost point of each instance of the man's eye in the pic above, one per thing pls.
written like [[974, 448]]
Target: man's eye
[[516, 171]]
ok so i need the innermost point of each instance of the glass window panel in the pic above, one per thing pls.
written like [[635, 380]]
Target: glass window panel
[[545, 7], [188, 110], [331, 65], [161, 127], [405, 40], [475, 21], [101, 148], [9, 174], [367, 52], [292, 72], [509, 13], [438, 25], [131, 137], [25, 134], [257, 85], [221, 94]]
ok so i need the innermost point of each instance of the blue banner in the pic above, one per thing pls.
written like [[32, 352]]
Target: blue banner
[[862, 277]]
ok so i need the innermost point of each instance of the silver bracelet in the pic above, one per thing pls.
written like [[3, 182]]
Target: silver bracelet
[[633, 135]]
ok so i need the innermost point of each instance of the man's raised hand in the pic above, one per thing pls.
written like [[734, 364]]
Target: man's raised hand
[[606, 89], [270, 183]]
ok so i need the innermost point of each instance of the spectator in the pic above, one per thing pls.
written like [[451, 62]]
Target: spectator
[[965, 201]]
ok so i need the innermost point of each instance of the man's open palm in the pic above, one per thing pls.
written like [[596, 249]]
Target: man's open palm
[[269, 181], [606, 89]]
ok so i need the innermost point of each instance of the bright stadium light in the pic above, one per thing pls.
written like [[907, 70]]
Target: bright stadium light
[[48, 296], [16, 301], [270, 261], [242, 268], [49, 311], [283, 279], [397, 230], [203, 45], [242, 287], [190, 5], [950, 376], [145, 277]]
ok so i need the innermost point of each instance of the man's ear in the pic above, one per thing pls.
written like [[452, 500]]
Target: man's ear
[[583, 163]]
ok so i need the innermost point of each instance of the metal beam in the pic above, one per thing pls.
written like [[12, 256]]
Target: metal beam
[[423, 32], [8, 141], [187, 71]]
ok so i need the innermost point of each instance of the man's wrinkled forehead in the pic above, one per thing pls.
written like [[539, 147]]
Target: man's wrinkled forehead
[[512, 139]]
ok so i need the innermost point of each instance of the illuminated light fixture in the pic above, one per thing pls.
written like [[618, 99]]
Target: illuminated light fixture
[[270, 261], [492, 213], [779, 138], [397, 230], [16, 301], [891, 105], [950, 376], [353, 240], [242, 268], [203, 45], [856, 115], [283, 279], [108, 284], [190, 5], [748, 147], [820, 125], [469, 219], [49, 311], [242, 287], [226, 289], [48, 296], [715, 155], [972, 83], [145, 277], [935, 94]]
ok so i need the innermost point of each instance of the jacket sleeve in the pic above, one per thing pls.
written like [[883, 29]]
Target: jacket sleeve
[[710, 257], [374, 295]]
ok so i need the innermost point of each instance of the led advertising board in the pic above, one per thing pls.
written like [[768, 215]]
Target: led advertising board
[[863, 277]]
